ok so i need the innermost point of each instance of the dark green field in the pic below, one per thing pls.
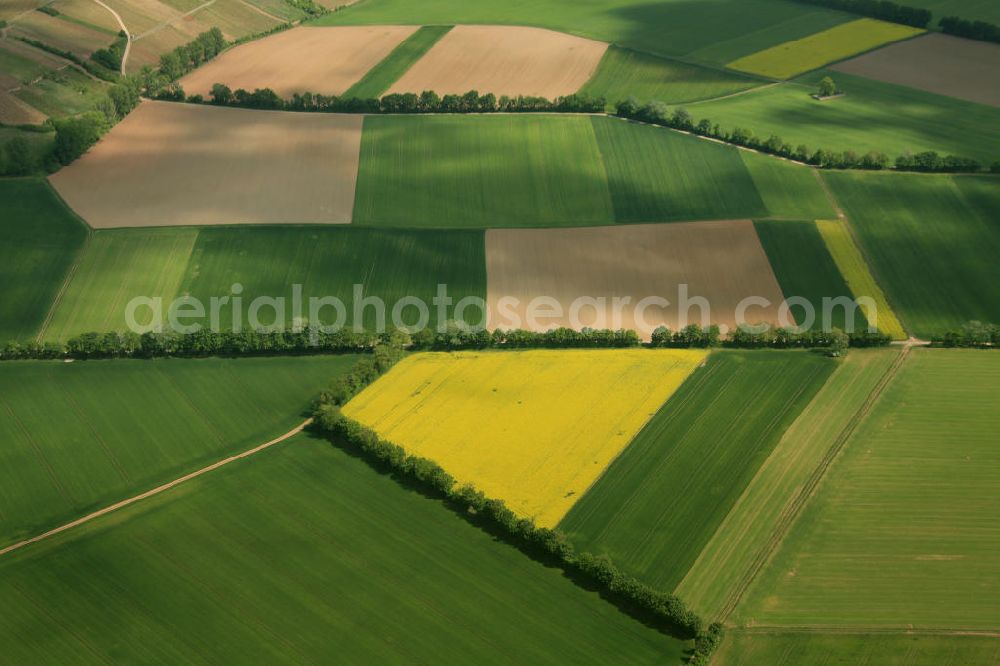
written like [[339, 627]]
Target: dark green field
[[79, 436], [805, 269], [709, 31], [624, 73], [381, 77], [302, 554], [932, 242], [795, 649], [657, 175], [660, 502], [39, 240]]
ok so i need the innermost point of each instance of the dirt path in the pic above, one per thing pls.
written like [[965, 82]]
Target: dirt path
[[265, 13], [862, 630], [155, 491], [829, 195], [795, 509], [128, 35], [175, 19]]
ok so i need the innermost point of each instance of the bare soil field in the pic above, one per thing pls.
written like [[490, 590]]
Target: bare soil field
[[304, 59], [504, 60], [721, 261], [936, 63], [178, 164], [15, 112]]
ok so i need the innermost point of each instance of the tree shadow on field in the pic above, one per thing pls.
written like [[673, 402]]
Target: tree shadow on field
[[500, 536]]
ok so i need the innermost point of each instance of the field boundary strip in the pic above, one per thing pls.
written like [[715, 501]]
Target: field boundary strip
[[860, 630], [155, 491], [793, 510]]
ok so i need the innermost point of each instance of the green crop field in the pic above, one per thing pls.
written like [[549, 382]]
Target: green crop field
[[902, 532], [793, 649], [302, 554], [871, 116], [120, 265], [381, 77], [39, 240], [760, 517], [117, 266], [661, 501], [624, 73], [932, 242], [673, 27], [388, 264], [789, 191], [658, 175], [481, 171], [805, 269], [79, 436]]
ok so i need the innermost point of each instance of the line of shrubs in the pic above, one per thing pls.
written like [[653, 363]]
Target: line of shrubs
[[426, 102], [981, 30], [657, 113], [880, 9], [665, 611], [111, 56], [975, 334]]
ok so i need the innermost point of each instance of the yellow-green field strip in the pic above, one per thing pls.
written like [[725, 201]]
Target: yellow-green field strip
[[859, 278], [766, 509]]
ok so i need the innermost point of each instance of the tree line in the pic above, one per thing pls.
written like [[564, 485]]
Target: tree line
[[975, 334], [981, 30], [111, 56], [880, 9], [426, 102], [664, 610], [658, 113]]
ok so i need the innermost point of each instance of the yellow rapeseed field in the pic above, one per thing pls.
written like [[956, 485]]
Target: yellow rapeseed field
[[534, 428], [803, 55]]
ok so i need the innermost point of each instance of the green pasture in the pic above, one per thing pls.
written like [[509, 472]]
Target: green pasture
[[39, 240], [931, 241], [302, 553], [973, 10], [381, 77], [902, 532], [789, 191], [79, 436], [660, 502], [871, 116]]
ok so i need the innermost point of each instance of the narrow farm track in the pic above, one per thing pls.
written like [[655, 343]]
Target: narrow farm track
[[155, 491], [793, 510], [128, 35]]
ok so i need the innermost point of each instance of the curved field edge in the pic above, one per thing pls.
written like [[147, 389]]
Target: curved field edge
[[664, 497], [367, 553], [761, 516], [126, 426]]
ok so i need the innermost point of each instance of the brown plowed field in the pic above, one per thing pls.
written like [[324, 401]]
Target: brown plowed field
[[319, 60], [504, 60], [722, 261], [940, 64], [180, 164]]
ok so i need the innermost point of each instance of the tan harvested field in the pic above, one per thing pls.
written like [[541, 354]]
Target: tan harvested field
[[15, 112], [722, 261], [11, 8], [321, 60], [87, 11], [60, 33], [936, 63], [504, 60], [179, 164]]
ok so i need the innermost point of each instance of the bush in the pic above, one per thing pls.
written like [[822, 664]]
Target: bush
[[75, 135], [981, 30], [880, 9], [974, 334]]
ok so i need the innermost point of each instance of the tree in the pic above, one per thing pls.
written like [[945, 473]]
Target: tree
[[839, 342], [827, 88], [221, 94], [75, 135]]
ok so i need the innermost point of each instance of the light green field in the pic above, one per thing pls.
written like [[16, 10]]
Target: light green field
[[789, 191], [805, 269], [902, 531], [793, 649], [39, 240], [381, 77], [657, 175], [624, 73], [671, 27], [760, 518], [481, 171], [791, 58], [302, 554], [871, 116], [931, 241], [660, 502], [79, 436], [116, 267]]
